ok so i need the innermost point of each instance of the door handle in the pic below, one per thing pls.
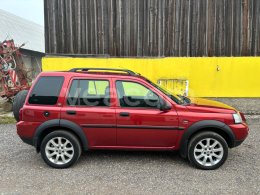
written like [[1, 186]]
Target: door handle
[[71, 112], [124, 114]]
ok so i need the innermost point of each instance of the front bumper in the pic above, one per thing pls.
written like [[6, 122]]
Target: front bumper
[[238, 142], [240, 132]]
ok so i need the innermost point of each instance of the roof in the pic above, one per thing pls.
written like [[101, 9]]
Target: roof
[[104, 75], [21, 31], [103, 70]]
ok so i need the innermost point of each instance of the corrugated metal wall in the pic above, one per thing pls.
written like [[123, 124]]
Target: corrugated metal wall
[[153, 27]]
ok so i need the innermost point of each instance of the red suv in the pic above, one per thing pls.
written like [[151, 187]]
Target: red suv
[[91, 108]]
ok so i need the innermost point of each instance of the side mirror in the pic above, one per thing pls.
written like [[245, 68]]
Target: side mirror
[[163, 105]]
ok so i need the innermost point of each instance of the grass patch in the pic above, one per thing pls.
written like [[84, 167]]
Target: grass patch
[[7, 120]]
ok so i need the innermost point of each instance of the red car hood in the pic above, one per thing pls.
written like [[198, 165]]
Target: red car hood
[[206, 105]]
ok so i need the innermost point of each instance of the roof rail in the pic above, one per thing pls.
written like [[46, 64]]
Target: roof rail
[[106, 69]]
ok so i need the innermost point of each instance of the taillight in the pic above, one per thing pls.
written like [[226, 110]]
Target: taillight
[[21, 114]]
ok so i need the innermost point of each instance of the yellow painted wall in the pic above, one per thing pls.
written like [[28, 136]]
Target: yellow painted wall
[[208, 76]]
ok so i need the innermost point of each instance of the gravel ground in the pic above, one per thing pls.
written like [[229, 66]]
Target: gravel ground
[[108, 172]]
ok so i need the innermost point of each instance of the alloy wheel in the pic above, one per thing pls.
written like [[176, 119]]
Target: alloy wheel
[[208, 152], [59, 150]]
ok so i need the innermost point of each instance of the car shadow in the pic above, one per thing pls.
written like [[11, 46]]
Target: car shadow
[[131, 156]]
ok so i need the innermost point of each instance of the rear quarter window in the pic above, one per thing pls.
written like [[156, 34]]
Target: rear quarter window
[[46, 91]]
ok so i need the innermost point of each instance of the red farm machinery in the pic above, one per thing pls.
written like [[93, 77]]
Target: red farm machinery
[[13, 74]]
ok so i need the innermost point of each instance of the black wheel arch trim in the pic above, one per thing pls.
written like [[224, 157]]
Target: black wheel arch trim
[[203, 125], [60, 123]]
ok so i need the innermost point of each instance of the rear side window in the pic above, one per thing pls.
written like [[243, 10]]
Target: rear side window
[[46, 91], [89, 93]]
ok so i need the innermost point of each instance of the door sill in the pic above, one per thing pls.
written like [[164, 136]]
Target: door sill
[[130, 148]]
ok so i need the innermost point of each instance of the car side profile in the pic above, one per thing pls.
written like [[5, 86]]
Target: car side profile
[[84, 109]]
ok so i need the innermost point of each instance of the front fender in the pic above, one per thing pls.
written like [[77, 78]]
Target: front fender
[[206, 124]]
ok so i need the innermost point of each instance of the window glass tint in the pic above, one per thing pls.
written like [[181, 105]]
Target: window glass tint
[[89, 93], [134, 89], [46, 91], [72, 98], [97, 87], [133, 94]]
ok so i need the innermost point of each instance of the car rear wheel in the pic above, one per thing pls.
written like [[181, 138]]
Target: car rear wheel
[[60, 149], [207, 150]]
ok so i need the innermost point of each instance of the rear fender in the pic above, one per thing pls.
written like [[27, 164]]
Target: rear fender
[[59, 124]]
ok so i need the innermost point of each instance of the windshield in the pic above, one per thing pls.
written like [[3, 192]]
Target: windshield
[[176, 98]]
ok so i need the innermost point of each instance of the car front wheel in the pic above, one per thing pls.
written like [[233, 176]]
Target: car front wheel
[[60, 149], [207, 150]]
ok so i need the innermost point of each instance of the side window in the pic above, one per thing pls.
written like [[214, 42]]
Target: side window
[[89, 93], [46, 91], [132, 94], [97, 87]]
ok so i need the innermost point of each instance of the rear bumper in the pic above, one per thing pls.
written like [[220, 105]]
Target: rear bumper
[[27, 140], [25, 131]]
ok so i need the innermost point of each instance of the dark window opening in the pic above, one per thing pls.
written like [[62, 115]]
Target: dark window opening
[[46, 91]]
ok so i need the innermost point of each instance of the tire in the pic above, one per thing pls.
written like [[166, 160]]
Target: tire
[[64, 158], [18, 103], [207, 156]]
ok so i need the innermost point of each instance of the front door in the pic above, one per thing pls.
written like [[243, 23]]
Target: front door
[[88, 105], [140, 123]]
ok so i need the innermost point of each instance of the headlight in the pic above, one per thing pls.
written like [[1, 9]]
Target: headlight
[[237, 118]]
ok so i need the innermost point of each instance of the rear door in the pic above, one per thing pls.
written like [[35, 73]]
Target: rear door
[[88, 104]]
